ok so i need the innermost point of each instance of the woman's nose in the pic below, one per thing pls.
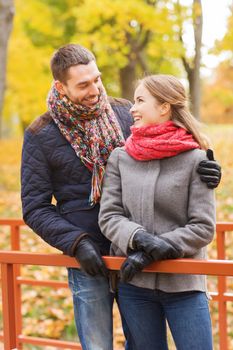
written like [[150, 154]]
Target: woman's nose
[[132, 109]]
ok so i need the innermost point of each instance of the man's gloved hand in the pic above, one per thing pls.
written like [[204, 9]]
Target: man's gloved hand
[[210, 170], [89, 258], [156, 247], [135, 263]]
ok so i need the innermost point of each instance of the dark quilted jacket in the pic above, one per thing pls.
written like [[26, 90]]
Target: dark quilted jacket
[[50, 168]]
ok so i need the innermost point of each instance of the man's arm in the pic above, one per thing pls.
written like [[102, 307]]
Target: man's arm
[[201, 218], [210, 170], [36, 193]]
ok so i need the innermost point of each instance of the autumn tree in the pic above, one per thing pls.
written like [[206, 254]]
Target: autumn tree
[[29, 78], [6, 21], [33, 40], [126, 43], [217, 104], [218, 92], [147, 37], [144, 38], [192, 63], [140, 39], [226, 43]]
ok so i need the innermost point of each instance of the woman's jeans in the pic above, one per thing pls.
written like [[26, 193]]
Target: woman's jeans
[[93, 310], [146, 312]]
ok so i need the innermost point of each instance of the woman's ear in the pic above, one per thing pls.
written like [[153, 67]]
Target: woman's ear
[[59, 87], [165, 108]]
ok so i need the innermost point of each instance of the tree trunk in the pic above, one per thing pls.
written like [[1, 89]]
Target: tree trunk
[[6, 22], [194, 76], [127, 80]]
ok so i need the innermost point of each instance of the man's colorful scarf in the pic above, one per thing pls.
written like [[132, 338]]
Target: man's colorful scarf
[[92, 132]]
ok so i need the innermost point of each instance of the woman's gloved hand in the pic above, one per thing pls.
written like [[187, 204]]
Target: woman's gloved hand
[[135, 263], [156, 247], [210, 170], [89, 257]]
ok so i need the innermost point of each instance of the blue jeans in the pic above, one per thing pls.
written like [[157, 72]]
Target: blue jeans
[[146, 312], [93, 303]]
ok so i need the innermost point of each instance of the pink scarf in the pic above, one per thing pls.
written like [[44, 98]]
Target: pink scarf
[[159, 141]]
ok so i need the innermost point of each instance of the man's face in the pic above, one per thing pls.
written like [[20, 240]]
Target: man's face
[[83, 84]]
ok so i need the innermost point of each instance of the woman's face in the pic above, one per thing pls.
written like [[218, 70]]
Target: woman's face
[[147, 110]]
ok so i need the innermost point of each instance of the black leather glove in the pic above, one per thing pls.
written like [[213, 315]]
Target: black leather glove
[[89, 257], [156, 247], [133, 264], [210, 170]]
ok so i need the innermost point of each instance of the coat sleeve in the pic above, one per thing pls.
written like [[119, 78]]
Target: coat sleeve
[[201, 217], [36, 194], [113, 221]]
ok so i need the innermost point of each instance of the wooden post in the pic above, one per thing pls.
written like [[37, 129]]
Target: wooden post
[[8, 306]]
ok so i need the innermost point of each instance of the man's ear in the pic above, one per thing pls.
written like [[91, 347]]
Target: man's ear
[[59, 87]]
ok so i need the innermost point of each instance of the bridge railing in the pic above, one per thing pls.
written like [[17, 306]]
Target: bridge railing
[[10, 261]]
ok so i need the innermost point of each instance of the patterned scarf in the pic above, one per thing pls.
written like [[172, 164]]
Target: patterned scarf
[[159, 141], [92, 132]]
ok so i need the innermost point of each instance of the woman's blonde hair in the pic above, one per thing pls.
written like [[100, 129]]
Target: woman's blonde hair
[[167, 88]]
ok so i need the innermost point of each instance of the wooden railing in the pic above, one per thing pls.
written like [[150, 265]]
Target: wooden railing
[[13, 337]]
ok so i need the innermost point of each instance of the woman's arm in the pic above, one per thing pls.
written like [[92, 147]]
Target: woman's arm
[[113, 221]]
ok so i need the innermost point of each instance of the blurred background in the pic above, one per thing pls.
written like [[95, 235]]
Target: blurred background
[[191, 39]]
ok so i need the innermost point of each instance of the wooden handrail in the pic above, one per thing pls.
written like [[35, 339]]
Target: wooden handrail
[[11, 260], [181, 266]]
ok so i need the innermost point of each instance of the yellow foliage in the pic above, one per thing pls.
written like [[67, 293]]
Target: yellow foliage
[[28, 80], [217, 106], [114, 24], [115, 35], [29, 10], [226, 44]]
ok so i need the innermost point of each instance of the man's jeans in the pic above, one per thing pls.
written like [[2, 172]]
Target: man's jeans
[[93, 310], [146, 312]]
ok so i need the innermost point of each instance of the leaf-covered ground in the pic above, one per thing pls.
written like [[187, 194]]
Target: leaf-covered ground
[[48, 312]]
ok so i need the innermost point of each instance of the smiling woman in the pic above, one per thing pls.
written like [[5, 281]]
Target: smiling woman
[[154, 207], [148, 109]]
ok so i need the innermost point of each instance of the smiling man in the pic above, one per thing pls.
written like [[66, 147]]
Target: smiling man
[[82, 83], [64, 156]]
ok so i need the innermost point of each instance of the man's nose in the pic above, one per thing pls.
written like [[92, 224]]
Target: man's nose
[[94, 90]]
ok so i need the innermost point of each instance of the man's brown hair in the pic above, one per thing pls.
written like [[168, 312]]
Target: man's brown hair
[[66, 57]]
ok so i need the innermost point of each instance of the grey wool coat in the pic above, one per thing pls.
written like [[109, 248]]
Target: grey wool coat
[[167, 198]]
